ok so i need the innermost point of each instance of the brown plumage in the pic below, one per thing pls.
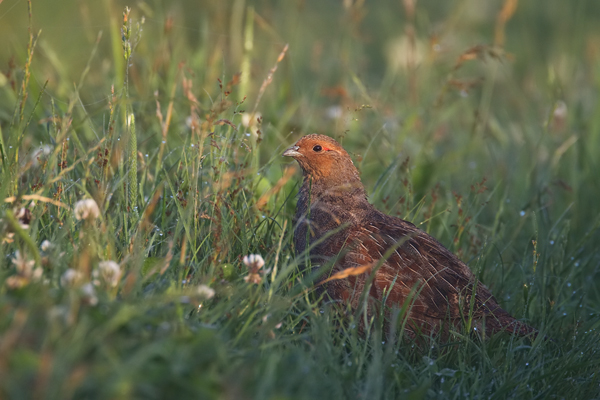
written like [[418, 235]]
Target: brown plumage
[[338, 226]]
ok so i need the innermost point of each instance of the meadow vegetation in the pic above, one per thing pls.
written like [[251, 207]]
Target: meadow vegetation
[[141, 168]]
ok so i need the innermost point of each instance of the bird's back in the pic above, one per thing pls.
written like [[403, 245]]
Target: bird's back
[[405, 265]]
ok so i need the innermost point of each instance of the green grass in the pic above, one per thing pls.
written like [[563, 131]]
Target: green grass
[[491, 148]]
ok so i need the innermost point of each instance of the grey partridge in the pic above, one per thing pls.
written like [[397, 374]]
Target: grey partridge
[[397, 264]]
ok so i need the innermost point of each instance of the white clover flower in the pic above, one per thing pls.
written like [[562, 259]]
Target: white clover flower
[[254, 261], [46, 245], [24, 267], [23, 216], [206, 292], [86, 209], [70, 278], [88, 294], [109, 272], [25, 272]]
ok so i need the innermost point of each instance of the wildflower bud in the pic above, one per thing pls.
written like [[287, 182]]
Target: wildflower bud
[[23, 266], [88, 294], [46, 245], [70, 278], [254, 261], [206, 292], [109, 272]]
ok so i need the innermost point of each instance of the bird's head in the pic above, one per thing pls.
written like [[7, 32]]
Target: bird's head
[[322, 158]]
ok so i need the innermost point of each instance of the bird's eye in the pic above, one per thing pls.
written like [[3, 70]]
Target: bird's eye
[[317, 148]]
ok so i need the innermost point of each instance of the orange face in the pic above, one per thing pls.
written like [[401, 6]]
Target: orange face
[[320, 156]]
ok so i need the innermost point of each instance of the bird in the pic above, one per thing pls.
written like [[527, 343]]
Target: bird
[[385, 262]]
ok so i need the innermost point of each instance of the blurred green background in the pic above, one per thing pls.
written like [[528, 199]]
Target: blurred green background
[[478, 121]]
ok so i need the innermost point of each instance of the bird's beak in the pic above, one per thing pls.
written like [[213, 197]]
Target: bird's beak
[[292, 152]]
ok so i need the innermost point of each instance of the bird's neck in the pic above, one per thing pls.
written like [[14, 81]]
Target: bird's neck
[[333, 191]]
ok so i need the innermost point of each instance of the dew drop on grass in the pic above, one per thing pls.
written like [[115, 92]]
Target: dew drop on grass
[[522, 213], [564, 314], [146, 155], [527, 364], [577, 264], [164, 141], [247, 134], [192, 146], [349, 363], [568, 284], [551, 242]]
